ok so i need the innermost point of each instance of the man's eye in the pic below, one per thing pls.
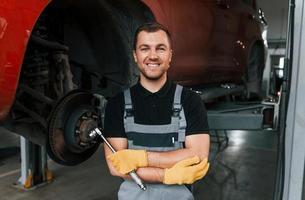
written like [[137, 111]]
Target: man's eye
[[161, 49], [144, 49]]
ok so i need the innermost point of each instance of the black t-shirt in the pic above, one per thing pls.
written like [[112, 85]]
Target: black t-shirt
[[155, 109]]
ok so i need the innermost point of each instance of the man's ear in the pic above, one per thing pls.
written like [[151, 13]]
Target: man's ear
[[135, 56]]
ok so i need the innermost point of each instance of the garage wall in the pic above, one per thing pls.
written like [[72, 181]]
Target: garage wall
[[276, 13]]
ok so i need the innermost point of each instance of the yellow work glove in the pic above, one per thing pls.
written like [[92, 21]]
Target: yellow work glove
[[127, 160], [186, 171]]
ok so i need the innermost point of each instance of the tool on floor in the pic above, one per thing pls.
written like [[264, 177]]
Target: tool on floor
[[134, 176]]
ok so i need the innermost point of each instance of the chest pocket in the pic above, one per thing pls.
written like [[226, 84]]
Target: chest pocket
[[153, 140]]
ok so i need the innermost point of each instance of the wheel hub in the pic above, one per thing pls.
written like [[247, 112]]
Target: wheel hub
[[87, 122], [71, 121]]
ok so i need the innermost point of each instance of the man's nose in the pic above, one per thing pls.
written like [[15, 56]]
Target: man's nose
[[153, 54]]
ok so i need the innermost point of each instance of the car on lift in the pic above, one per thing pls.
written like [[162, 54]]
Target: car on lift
[[61, 59]]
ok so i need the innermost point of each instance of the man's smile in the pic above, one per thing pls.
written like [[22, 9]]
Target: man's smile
[[152, 64]]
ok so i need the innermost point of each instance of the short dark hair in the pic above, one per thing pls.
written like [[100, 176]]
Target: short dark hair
[[151, 27]]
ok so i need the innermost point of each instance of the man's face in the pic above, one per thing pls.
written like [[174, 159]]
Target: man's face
[[153, 54]]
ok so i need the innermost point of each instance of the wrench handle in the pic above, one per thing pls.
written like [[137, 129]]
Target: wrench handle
[[137, 179]]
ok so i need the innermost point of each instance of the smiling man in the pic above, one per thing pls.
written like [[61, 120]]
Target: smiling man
[[153, 55], [159, 128]]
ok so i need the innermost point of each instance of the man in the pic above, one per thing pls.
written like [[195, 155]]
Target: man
[[158, 128]]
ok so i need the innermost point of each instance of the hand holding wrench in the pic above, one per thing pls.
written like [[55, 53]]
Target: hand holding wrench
[[133, 174]]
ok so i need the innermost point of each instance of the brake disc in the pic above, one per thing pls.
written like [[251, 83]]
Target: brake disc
[[68, 141]]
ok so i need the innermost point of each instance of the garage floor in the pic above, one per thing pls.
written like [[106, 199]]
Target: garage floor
[[243, 170]]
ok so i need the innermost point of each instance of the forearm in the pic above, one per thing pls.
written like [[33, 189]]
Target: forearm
[[147, 174], [124, 161], [151, 174], [195, 145], [169, 158]]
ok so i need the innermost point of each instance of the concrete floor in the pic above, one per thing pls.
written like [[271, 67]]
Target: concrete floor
[[244, 170]]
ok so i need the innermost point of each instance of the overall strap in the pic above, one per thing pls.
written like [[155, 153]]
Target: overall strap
[[128, 110], [178, 112], [177, 99]]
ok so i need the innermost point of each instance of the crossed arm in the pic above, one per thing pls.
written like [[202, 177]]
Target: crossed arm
[[195, 145]]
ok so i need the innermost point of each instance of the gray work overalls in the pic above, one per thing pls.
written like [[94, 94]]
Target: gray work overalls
[[155, 138]]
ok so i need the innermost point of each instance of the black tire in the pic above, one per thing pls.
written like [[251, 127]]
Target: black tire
[[254, 72]]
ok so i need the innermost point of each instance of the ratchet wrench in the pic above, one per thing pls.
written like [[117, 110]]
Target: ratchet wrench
[[133, 174]]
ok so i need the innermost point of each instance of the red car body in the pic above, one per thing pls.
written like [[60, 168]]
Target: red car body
[[17, 20], [212, 39]]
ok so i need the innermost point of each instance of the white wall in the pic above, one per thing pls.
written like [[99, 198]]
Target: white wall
[[276, 13]]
